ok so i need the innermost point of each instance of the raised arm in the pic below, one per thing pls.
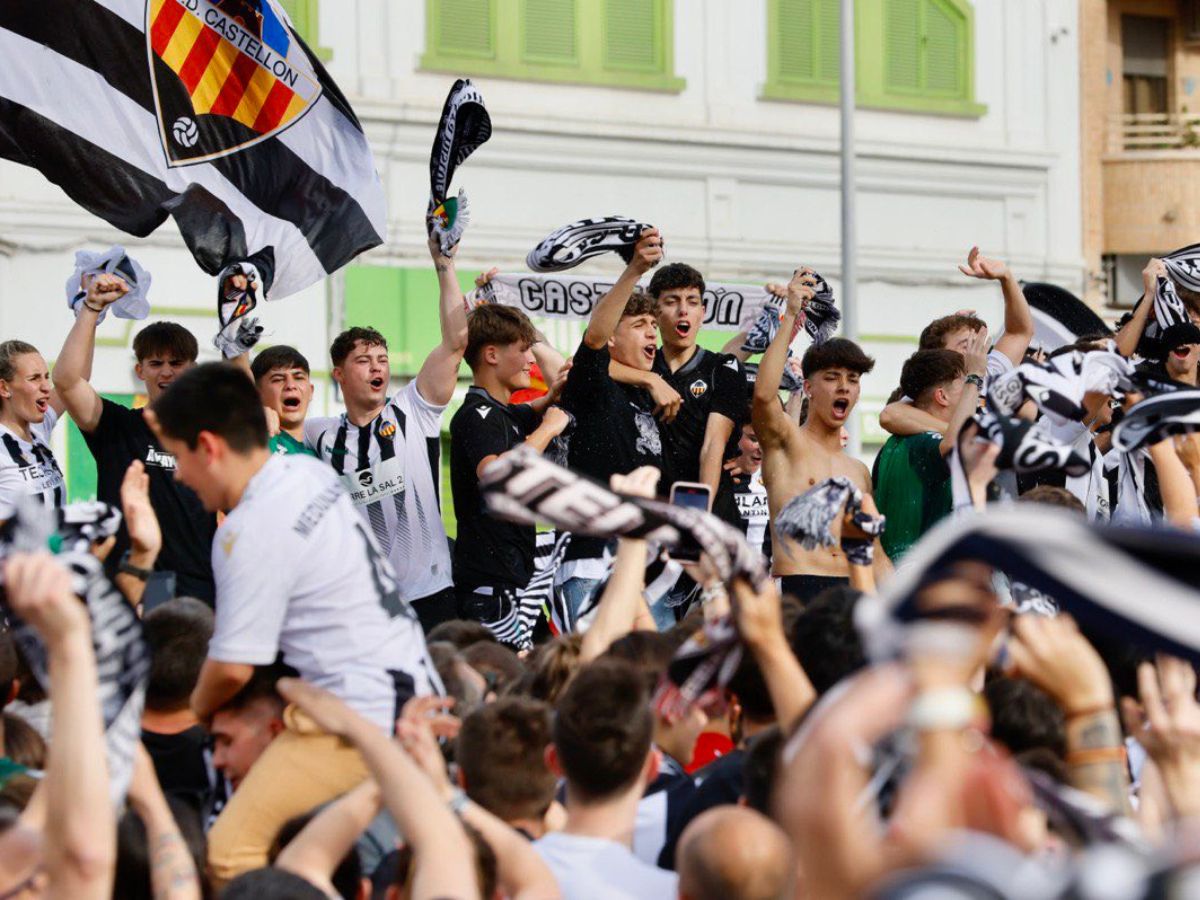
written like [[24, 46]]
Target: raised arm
[[1018, 320], [1130, 333], [316, 852], [975, 359], [1175, 482], [72, 390], [666, 399], [903, 419], [439, 373], [760, 622], [647, 254], [145, 536], [770, 421]]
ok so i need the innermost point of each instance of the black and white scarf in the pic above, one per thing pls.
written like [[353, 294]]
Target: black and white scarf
[[1100, 574], [1058, 385], [1026, 447], [820, 320], [238, 332], [122, 655], [113, 261], [1183, 270], [80, 525], [464, 127], [570, 245], [810, 518], [1157, 418]]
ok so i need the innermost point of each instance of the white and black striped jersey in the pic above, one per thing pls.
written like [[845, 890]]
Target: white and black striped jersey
[[28, 468], [391, 468], [660, 813]]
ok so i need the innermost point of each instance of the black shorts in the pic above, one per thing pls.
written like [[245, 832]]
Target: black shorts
[[807, 588]]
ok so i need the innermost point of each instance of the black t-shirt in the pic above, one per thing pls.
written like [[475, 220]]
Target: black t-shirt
[[120, 437], [181, 764], [615, 429], [708, 383], [488, 551]]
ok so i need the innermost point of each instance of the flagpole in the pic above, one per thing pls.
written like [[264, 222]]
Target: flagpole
[[849, 240]]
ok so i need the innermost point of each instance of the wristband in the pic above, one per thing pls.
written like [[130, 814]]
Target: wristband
[[128, 568], [458, 801], [92, 308], [943, 709], [1096, 756], [975, 380], [713, 592]]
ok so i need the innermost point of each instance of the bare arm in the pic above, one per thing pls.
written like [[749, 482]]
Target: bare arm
[[1175, 484], [72, 391], [760, 623], [315, 853], [975, 358], [903, 419], [666, 399], [733, 346], [552, 426], [717, 432], [549, 360], [770, 421], [439, 373], [145, 537], [647, 254], [1018, 320], [217, 685]]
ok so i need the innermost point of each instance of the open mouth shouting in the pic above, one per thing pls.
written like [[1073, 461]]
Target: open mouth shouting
[[648, 352], [291, 403], [683, 328], [377, 384], [42, 405], [841, 408], [1182, 352]]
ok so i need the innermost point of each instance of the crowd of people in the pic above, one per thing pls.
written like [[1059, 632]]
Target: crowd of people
[[343, 702]]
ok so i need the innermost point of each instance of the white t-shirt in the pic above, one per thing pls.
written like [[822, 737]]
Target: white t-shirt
[[589, 868], [392, 468], [297, 572], [28, 468]]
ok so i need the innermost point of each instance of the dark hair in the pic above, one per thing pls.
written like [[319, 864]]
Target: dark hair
[[602, 729], [750, 688], [927, 370], [640, 304], [10, 665], [493, 324], [825, 640], [499, 666], [177, 633], [675, 275], [132, 876], [167, 339], [934, 335], [762, 768], [344, 343], [345, 878], [261, 686], [650, 651], [501, 754], [281, 356], [462, 633], [836, 353], [483, 861], [271, 884], [9, 351], [554, 664], [217, 398], [1024, 717], [1050, 495], [22, 743]]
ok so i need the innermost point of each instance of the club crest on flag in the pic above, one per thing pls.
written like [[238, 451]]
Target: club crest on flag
[[226, 74]]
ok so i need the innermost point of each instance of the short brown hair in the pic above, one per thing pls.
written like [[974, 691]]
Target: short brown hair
[[640, 304], [1051, 495], [344, 343], [553, 666], [837, 353], [602, 729], [927, 370], [168, 339], [501, 754], [491, 323], [934, 335]]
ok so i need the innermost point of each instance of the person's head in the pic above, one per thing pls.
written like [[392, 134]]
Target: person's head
[[464, 684], [554, 664], [498, 342], [825, 640], [498, 665], [271, 883], [679, 291], [1181, 351], [749, 458], [761, 771], [751, 707], [462, 633], [24, 382], [950, 333], [934, 380], [832, 371], [361, 367], [635, 340], [22, 743], [1052, 495], [602, 732], [347, 879], [284, 383], [245, 726], [501, 756], [1024, 717], [734, 853], [177, 633], [212, 420], [163, 351]]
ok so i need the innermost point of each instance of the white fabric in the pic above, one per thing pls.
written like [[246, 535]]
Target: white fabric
[[297, 572], [36, 474], [1131, 508], [1091, 489], [413, 540], [589, 868], [752, 507], [997, 364], [134, 305]]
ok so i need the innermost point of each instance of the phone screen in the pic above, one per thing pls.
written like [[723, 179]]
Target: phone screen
[[692, 496]]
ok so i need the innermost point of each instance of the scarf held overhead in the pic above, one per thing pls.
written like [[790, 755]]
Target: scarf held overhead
[[464, 127]]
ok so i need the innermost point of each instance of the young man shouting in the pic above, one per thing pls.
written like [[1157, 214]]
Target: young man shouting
[[298, 576], [797, 457], [493, 559], [282, 376]]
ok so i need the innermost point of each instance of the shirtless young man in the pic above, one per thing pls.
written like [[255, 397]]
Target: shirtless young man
[[797, 457]]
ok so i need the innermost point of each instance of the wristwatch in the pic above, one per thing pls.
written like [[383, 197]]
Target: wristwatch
[[128, 568], [976, 380]]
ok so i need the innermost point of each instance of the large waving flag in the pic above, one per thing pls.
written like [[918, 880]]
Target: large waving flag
[[213, 112]]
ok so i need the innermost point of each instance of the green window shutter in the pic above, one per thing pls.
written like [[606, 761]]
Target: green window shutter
[[548, 29], [806, 41], [902, 45], [944, 59], [305, 18], [925, 48], [829, 45], [464, 28], [633, 35]]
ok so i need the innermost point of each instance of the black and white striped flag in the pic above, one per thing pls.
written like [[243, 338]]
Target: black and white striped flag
[[212, 112]]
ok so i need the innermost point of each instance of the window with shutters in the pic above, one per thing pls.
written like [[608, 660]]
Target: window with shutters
[[303, 14], [624, 43], [910, 54]]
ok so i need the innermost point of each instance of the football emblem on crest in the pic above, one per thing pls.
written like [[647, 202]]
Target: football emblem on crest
[[698, 388], [226, 74]]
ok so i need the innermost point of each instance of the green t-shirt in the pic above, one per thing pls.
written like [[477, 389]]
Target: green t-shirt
[[912, 488], [285, 443]]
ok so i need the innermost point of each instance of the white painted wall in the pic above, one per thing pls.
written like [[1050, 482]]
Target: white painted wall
[[742, 188]]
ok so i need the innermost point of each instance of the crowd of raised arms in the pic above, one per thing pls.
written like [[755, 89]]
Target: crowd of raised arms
[[343, 702]]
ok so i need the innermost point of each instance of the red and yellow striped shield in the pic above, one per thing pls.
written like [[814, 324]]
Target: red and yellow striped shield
[[226, 74]]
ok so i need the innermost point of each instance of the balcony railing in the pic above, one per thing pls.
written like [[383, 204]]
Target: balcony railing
[[1154, 131]]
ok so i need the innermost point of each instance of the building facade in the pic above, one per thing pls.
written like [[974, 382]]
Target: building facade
[[715, 120]]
